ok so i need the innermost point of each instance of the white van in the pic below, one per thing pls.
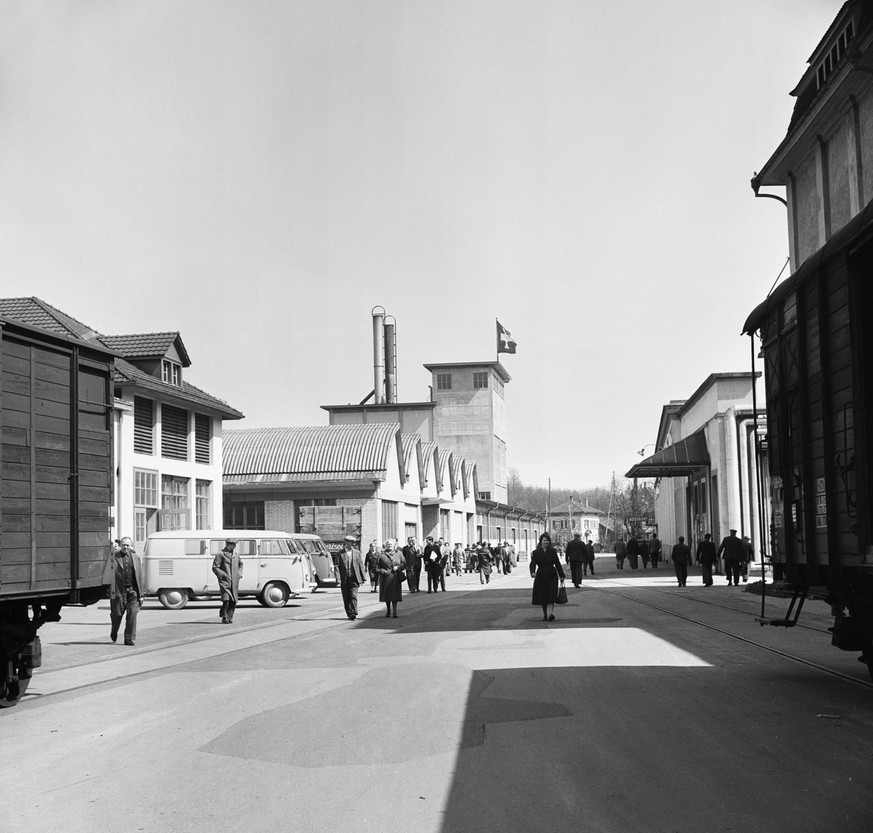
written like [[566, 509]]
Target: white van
[[177, 566]]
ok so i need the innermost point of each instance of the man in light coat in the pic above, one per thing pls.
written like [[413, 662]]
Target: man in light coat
[[227, 566], [351, 575]]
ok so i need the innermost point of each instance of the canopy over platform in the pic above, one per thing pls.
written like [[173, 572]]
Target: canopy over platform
[[678, 460]]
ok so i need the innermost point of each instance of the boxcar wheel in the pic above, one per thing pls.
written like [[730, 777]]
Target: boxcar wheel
[[173, 598], [274, 594], [11, 691]]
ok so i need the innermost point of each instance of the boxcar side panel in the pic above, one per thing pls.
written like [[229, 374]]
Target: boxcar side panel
[[44, 438]]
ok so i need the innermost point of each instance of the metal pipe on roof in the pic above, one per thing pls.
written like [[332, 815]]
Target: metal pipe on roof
[[378, 313], [390, 359]]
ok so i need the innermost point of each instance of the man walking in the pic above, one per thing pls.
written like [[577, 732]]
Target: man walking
[[589, 553], [681, 555], [748, 556], [122, 572], [432, 557], [412, 554], [732, 549], [620, 553], [577, 558], [706, 557], [351, 574], [227, 566], [655, 550]]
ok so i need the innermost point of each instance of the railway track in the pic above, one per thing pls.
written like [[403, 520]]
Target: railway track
[[614, 586]]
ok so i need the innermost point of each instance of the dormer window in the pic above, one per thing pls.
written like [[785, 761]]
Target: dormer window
[[171, 373]]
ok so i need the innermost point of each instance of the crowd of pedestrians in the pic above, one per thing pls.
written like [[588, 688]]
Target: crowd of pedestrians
[[387, 567]]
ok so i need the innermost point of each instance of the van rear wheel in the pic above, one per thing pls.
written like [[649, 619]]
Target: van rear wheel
[[274, 594], [173, 598]]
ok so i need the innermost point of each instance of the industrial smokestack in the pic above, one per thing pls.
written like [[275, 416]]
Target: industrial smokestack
[[390, 360], [379, 354]]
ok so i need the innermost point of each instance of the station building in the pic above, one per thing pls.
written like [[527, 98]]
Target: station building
[[705, 468], [168, 433]]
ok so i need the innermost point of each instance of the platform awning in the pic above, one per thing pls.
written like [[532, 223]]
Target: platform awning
[[678, 460]]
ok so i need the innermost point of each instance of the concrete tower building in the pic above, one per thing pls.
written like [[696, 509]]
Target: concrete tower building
[[470, 415]]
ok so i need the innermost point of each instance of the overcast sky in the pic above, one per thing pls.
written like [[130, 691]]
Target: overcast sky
[[259, 174]]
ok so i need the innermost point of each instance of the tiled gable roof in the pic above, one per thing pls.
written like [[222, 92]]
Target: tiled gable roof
[[309, 453], [128, 374], [146, 345], [37, 313]]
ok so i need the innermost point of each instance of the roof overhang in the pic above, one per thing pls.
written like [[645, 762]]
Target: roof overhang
[[680, 459], [855, 231]]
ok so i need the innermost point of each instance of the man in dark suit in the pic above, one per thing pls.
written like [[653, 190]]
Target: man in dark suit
[[577, 557], [122, 573], [681, 555], [351, 574], [412, 554]]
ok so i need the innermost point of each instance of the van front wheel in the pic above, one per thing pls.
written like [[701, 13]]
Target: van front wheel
[[174, 598], [274, 594]]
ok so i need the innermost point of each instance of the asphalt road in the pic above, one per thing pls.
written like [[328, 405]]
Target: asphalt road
[[643, 707]]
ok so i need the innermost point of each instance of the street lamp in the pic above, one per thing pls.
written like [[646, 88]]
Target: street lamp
[[642, 451]]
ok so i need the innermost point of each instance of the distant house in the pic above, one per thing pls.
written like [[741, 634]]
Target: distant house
[[168, 433], [571, 517]]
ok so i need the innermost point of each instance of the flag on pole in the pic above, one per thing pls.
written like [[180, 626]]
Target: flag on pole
[[505, 341]]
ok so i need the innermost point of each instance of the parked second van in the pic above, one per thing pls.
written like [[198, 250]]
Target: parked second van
[[177, 565]]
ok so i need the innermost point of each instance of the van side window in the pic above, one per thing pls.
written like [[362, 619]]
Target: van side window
[[244, 546], [270, 546], [294, 546], [308, 546], [194, 546]]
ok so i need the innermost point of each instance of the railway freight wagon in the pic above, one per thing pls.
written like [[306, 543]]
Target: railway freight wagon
[[817, 337], [55, 487]]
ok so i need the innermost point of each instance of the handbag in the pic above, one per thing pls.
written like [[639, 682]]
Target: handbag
[[562, 595]]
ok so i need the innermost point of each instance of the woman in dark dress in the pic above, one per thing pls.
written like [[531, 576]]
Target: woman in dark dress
[[391, 566], [545, 567]]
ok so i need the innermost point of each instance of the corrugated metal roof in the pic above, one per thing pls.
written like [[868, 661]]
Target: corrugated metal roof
[[429, 461], [308, 452], [444, 458]]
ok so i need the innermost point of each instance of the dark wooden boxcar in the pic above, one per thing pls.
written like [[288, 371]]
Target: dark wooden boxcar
[[817, 336], [55, 487]]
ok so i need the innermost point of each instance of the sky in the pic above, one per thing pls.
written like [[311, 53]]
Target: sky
[[259, 175]]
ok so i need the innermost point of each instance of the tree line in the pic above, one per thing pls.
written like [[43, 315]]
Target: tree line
[[624, 501]]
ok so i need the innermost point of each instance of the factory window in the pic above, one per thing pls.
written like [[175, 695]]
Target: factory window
[[145, 488], [480, 379], [444, 381], [203, 490], [244, 515], [174, 503]]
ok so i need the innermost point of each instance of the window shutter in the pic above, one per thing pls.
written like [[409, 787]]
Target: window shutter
[[202, 435], [174, 432], [143, 425]]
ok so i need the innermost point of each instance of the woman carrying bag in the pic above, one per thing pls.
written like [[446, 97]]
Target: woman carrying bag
[[545, 567], [392, 573]]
